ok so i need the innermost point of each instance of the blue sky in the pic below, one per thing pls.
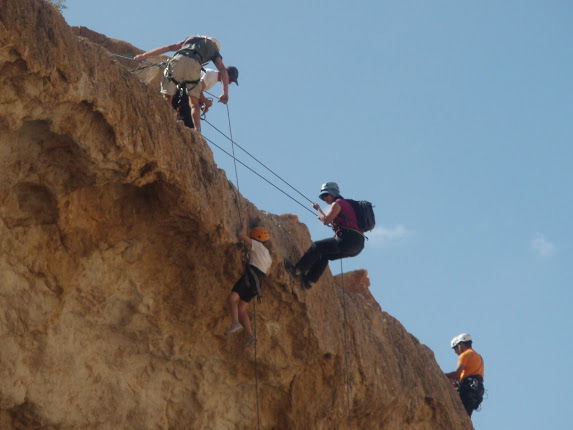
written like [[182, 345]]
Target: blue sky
[[454, 118]]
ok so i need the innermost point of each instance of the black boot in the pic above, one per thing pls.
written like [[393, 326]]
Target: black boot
[[291, 269], [305, 283]]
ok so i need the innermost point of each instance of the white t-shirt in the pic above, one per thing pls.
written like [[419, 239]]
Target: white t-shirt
[[209, 78], [260, 256]]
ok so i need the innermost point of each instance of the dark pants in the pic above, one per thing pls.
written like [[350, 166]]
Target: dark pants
[[347, 243], [180, 102], [471, 392]]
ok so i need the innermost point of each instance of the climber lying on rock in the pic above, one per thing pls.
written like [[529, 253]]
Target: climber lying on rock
[[183, 72], [348, 239], [180, 101], [249, 285]]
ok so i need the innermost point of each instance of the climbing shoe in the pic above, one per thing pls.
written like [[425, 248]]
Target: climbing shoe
[[234, 328], [305, 283], [250, 342], [291, 269]]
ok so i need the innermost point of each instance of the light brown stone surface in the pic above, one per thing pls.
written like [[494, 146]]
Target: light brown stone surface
[[118, 249]]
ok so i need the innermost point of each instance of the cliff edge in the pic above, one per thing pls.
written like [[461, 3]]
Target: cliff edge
[[118, 249]]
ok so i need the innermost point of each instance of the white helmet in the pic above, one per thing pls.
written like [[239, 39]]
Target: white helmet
[[464, 337]]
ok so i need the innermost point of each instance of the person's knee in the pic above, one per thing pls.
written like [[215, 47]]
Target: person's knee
[[233, 298], [194, 102], [315, 249]]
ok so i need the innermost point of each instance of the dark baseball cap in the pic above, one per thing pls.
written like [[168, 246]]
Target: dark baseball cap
[[233, 73]]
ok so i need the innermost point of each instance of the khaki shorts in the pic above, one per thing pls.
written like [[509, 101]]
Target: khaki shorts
[[182, 68]]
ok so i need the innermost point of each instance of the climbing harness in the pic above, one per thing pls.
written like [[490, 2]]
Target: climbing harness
[[190, 53], [181, 85]]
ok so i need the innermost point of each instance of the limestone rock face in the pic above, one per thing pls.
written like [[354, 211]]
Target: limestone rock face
[[118, 249]]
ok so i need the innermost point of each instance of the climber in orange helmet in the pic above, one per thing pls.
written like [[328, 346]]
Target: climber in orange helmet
[[248, 286]]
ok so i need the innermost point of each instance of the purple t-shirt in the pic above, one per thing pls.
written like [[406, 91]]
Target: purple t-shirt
[[346, 217]]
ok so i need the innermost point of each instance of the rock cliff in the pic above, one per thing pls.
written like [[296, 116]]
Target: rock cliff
[[118, 249]]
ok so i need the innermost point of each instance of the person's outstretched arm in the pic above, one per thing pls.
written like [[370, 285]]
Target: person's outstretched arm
[[159, 51]]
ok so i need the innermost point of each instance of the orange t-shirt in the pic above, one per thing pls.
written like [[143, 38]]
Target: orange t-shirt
[[472, 364]]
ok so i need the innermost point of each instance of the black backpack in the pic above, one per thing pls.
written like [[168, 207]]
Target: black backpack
[[364, 214]]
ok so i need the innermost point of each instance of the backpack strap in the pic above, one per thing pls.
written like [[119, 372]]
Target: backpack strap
[[348, 219], [191, 53]]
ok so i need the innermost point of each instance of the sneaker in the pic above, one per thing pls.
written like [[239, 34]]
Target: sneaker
[[250, 342], [305, 283], [234, 328]]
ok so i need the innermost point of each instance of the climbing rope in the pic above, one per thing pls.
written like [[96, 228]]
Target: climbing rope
[[237, 201], [148, 64], [260, 176], [245, 257], [256, 159], [256, 364], [233, 143], [238, 189], [346, 371]]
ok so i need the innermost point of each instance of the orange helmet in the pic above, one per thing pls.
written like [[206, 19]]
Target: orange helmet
[[261, 234]]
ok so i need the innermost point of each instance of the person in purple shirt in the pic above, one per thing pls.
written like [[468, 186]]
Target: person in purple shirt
[[348, 240]]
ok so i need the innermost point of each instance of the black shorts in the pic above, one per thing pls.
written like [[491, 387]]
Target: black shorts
[[471, 392], [245, 287]]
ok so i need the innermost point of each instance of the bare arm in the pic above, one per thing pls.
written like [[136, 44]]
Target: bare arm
[[245, 238], [455, 375], [158, 51], [328, 217], [224, 79]]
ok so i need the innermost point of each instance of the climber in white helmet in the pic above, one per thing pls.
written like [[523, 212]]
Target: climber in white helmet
[[468, 377]]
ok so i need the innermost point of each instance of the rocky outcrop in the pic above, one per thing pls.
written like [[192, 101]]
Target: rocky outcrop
[[117, 251]]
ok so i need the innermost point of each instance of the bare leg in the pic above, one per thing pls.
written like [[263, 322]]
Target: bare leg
[[195, 112], [244, 317], [233, 303]]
